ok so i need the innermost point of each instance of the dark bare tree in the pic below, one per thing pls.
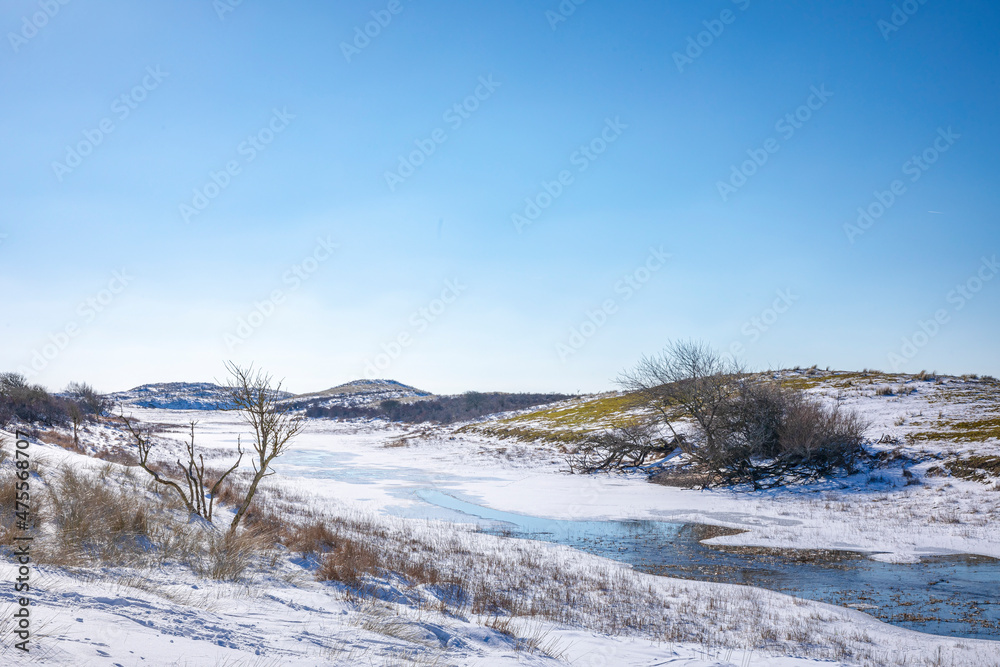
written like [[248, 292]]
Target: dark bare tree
[[688, 380], [737, 427], [274, 425], [194, 497]]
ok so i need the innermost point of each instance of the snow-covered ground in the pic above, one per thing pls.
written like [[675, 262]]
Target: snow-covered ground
[[286, 617]]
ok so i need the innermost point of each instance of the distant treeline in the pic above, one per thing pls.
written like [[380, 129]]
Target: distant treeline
[[33, 404], [440, 410]]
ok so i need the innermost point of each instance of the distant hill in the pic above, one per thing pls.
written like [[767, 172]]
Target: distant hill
[[177, 396], [360, 393], [210, 396]]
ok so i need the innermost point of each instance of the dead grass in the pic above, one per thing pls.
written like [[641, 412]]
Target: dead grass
[[231, 555], [110, 516], [517, 586], [63, 440], [681, 478], [94, 520]]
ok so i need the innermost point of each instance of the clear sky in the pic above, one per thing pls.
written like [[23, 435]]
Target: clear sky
[[518, 195]]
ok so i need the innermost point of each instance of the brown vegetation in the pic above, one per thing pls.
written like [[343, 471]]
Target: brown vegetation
[[730, 425]]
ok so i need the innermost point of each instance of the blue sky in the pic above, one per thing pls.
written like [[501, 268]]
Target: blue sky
[[565, 219]]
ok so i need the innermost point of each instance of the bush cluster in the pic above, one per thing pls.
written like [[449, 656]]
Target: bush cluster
[[771, 432], [33, 404], [732, 426]]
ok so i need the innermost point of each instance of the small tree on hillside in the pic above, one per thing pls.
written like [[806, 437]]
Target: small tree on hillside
[[690, 377], [194, 497], [741, 427], [90, 401], [274, 425], [75, 416]]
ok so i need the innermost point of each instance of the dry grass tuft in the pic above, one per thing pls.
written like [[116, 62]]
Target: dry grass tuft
[[94, 520], [311, 539], [231, 554], [63, 440], [349, 562]]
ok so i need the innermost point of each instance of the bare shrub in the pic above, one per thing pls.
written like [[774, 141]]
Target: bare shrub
[[691, 376], [630, 445], [822, 435], [94, 521], [29, 403], [194, 497], [746, 428], [90, 402], [232, 553]]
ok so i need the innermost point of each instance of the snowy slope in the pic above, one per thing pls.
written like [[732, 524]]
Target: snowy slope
[[282, 615], [360, 393], [176, 396]]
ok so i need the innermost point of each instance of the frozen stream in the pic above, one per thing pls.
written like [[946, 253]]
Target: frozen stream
[[946, 595]]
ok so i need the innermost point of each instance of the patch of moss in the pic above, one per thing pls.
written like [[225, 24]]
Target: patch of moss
[[584, 413], [566, 423], [970, 431]]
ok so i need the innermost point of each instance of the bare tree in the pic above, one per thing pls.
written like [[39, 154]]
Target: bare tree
[[76, 416], [274, 425], [688, 379], [194, 498], [743, 427], [90, 401]]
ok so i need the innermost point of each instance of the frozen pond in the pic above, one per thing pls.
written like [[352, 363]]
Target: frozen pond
[[947, 595]]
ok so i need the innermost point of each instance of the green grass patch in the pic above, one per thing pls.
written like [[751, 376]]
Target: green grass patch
[[565, 424], [966, 431]]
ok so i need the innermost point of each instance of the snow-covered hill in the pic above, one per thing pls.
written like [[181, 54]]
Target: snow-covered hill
[[176, 396], [360, 393], [210, 396]]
